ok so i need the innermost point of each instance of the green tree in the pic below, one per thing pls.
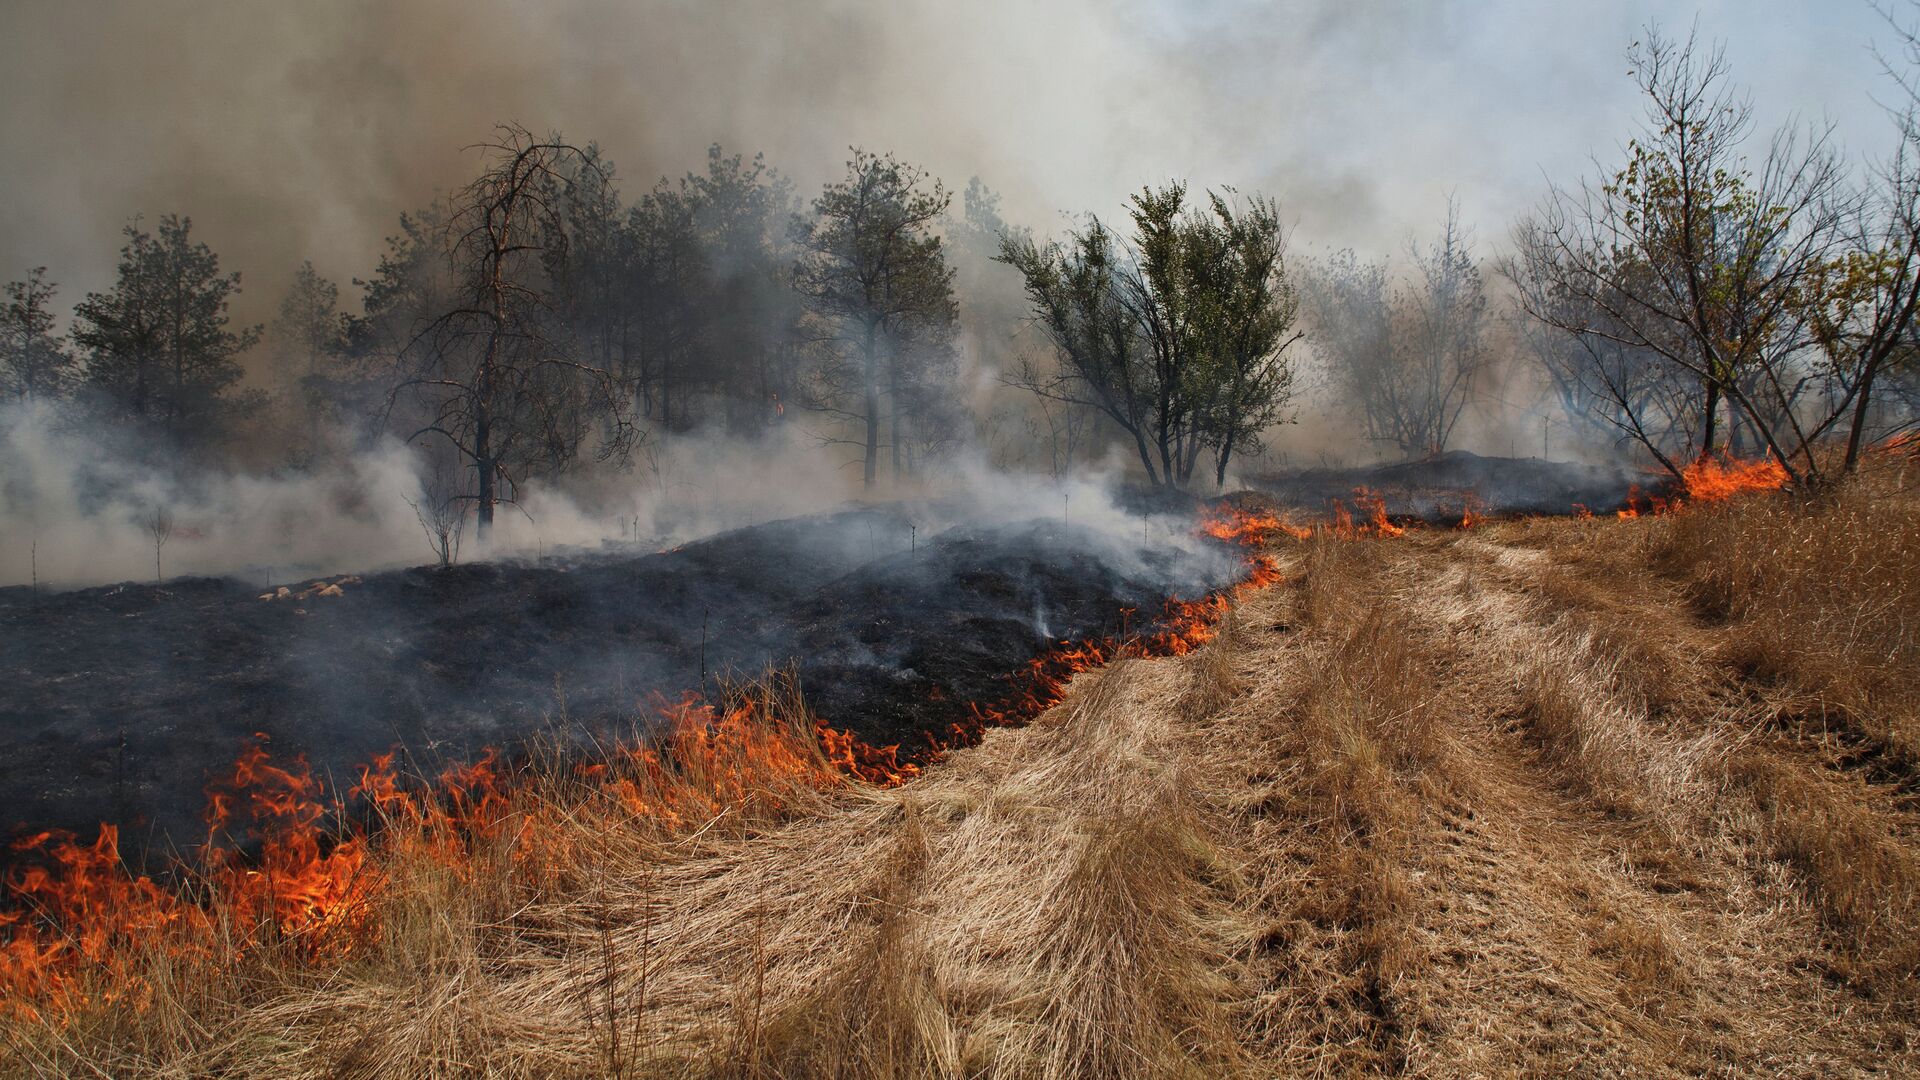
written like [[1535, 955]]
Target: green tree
[[874, 275], [1182, 339], [160, 348], [1247, 311], [309, 340], [35, 366]]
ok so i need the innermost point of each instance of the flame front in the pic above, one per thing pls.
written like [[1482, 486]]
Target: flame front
[[287, 864]]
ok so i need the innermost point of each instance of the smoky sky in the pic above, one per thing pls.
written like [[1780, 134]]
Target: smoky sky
[[291, 131]]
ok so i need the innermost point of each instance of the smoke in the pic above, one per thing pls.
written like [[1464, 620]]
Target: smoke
[[301, 131], [80, 506], [293, 132]]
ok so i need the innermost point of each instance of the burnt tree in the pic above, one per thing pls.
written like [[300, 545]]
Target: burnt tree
[[493, 375]]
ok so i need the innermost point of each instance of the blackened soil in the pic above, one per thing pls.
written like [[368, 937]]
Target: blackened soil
[[121, 701], [1440, 488]]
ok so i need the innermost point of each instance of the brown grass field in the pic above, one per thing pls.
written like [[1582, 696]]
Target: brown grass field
[[1544, 797]]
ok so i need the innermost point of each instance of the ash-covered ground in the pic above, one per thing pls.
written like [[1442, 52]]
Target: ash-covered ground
[[122, 700], [1438, 489]]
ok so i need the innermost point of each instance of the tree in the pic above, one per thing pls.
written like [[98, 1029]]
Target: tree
[[1104, 364], [872, 272], [157, 523], [1692, 254], [667, 292], [1248, 310], [742, 213], [1406, 359], [1615, 391], [491, 374], [309, 339], [1863, 309], [1180, 340], [160, 351], [35, 366]]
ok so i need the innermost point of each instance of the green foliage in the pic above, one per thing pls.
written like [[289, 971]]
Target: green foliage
[[1179, 340], [160, 350], [35, 366]]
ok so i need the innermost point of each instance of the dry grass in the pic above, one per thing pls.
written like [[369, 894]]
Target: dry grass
[[1819, 595], [1532, 799], [1336, 745]]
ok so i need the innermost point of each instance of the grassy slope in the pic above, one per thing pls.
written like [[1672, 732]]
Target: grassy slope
[[1619, 798]]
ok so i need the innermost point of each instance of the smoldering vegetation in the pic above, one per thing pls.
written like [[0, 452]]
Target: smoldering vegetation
[[650, 527], [127, 699]]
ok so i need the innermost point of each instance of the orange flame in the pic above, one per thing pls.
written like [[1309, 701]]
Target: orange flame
[[1712, 479], [1708, 480], [285, 864]]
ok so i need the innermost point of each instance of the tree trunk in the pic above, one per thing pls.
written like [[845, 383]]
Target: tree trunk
[[893, 412], [1857, 429], [485, 495], [871, 375], [1146, 455], [1712, 417]]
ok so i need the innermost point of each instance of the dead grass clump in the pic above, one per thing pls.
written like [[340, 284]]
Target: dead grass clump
[[1865, 884], [1214, 671], [882, 1012], [1591, 742], [1640, 952], [1818, 592]]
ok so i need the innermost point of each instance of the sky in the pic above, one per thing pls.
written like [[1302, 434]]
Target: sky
[[296, 131]]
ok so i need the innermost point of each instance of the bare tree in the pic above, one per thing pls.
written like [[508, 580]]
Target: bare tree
[[1691, 254], [1407, 360], [158, 525], [1614, 391], [441, 509], [492, 376]]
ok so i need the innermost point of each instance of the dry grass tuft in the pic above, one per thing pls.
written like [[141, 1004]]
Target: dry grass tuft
[[1819, 595], [1337, 809], [1865, 884], [1214, 680]]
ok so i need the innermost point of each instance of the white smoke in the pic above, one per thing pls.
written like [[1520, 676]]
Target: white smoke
[[76, 509]]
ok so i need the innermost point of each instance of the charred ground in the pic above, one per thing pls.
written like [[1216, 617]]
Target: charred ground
[[125, 697], [1440, 488]]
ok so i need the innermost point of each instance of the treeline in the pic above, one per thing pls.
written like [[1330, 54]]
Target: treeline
[[1713, 290], [533, 320]]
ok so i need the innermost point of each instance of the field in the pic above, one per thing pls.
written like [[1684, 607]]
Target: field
[[1600, 796]]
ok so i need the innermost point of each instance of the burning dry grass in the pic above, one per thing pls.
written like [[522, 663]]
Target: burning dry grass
[[1473, 804], [1035, 908]]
